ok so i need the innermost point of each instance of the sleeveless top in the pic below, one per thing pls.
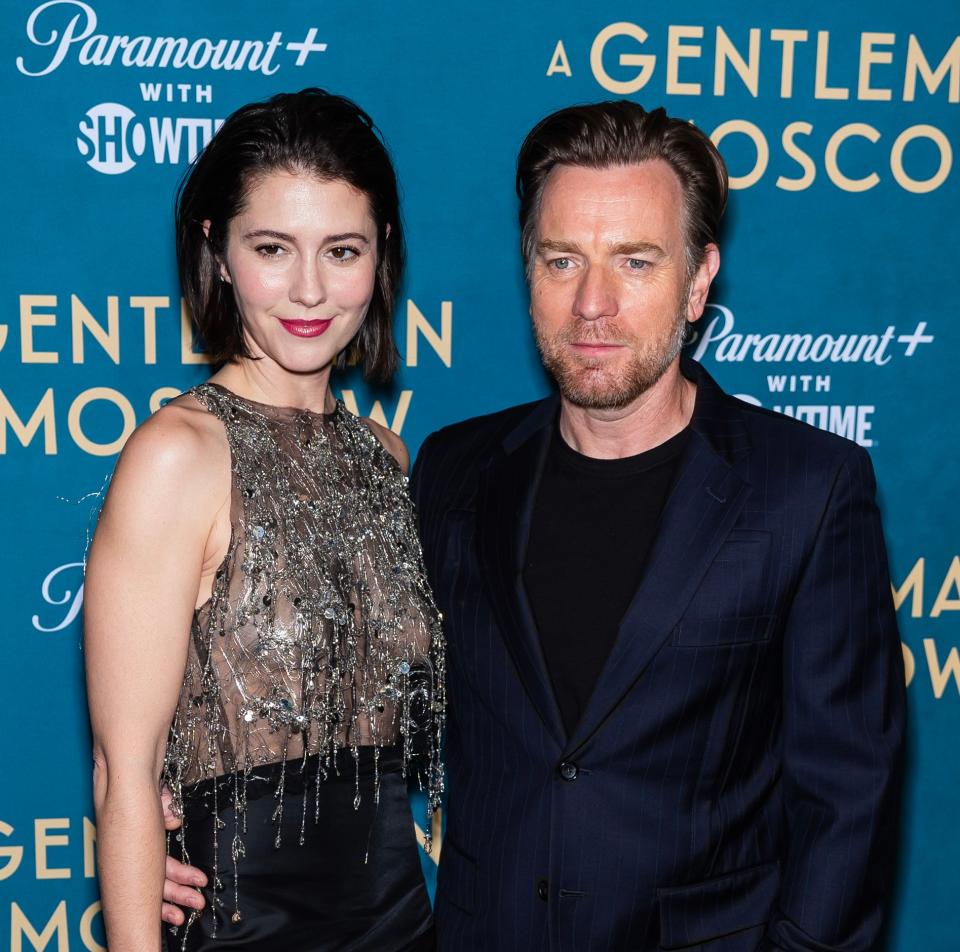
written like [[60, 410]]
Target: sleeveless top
[[321, 634]]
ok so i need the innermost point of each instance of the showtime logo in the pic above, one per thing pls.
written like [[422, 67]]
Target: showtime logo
[[112, 139]]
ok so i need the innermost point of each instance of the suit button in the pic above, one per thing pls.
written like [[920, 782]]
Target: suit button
[[543, 890], [569, 771]]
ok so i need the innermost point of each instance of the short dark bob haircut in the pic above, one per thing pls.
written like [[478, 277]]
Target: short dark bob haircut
[[310, 131], [620, 132]]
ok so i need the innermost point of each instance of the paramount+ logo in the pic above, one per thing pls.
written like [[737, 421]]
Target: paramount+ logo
[[112, 139]]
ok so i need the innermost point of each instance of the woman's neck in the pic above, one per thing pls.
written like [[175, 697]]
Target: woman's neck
[[266, 383]]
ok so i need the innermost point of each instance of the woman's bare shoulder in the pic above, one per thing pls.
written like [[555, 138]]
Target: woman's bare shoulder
[[391, 443], [179, 455]]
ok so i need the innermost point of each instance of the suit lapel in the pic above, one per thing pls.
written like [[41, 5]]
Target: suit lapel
[[703, 507], [508, 488]]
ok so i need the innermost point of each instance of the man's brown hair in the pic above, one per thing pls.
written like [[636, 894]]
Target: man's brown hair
[[620, 132]]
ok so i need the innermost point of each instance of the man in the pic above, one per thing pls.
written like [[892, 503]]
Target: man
[[675, 679], [674, 671]]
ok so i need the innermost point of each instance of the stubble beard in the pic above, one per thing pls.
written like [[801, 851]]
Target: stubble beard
[[588, 382]]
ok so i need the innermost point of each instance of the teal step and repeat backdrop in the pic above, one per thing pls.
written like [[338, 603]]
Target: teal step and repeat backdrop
[[836, 303]]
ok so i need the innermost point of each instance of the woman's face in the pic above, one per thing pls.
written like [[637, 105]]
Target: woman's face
[[302, 258]]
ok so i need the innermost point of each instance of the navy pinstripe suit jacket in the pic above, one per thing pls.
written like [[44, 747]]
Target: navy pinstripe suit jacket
[[733, 782]]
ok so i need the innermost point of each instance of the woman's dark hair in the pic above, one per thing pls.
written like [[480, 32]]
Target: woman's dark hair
[[310, 131], [620, 132]]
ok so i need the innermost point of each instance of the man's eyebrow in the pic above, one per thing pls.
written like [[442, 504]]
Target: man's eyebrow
[[549, 244], [283, 236], [621, 248], [637, 248]]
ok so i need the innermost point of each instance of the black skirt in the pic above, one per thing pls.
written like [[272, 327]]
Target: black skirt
[[355, 885]]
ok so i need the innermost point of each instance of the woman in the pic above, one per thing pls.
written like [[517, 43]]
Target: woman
[[260, 636]]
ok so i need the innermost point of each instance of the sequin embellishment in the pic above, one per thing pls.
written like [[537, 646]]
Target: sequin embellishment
[[321, 633]]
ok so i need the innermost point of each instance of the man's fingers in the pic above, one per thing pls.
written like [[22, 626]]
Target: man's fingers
[[172, 914], [179, 873], [182, 895], [170, 819]]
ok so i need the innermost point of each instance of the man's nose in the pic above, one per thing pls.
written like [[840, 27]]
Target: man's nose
[[596, 295]]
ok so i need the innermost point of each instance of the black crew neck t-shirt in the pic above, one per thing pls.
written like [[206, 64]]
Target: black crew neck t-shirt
[[594, 523]]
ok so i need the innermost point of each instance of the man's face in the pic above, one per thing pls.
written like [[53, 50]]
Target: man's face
[[609, 290]]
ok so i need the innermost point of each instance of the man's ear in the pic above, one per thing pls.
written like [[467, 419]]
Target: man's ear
[[700, 285], [224, 273]]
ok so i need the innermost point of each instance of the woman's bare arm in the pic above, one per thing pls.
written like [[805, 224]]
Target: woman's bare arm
[[145, 572]]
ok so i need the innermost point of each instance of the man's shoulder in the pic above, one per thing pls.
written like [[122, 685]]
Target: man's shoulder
[[774, 437], [480, 434], [796, 458], [767, 427], [448, 466]]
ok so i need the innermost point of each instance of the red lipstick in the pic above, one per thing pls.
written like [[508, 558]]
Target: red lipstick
[[306, 328]]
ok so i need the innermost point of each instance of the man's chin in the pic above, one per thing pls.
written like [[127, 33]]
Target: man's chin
[[598, 389], [595, 396]]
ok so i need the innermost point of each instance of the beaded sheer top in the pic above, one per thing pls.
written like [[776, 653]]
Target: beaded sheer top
[[321, 633]]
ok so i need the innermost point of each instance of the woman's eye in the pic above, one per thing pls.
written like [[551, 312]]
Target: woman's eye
[[343, 253], [270, 251]]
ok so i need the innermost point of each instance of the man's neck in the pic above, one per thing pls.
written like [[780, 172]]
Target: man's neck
[[656, 415]]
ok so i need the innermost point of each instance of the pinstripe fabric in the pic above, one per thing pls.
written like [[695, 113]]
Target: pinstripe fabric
[[737, 767]]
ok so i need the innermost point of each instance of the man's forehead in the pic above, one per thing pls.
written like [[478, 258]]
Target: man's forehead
[[636, 180], [618, 203]]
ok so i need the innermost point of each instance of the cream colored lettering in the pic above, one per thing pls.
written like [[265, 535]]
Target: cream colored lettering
[[645, 62], [159, 397], [909, 664], [110, 396], [22, 928], [759, 140], [921, 186], [559, 62], [870, 57], [946, 600], [912, 587], [107, 337], [789, 39], [150, 307], [44, 840], [25, 432], [822, 90], [86, 928], [441, 343], [799, 156], [919, 65], [677, 50], [377, 412], [89, 849], [833, 148], [747, 69], [940, 676], [31, 319], [11, 855]]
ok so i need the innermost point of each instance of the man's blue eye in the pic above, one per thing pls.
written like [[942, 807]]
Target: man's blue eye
[[637, 264], [561, 264]]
